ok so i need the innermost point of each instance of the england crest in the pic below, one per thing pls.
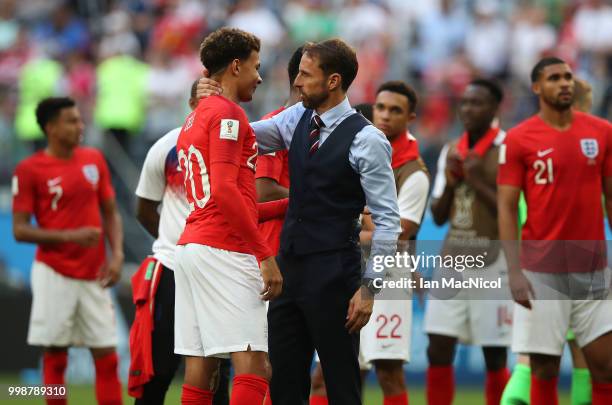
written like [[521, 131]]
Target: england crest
[[590, 147], [91, 173]]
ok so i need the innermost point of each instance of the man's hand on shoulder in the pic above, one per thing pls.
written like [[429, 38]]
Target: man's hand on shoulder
[[207, 87]]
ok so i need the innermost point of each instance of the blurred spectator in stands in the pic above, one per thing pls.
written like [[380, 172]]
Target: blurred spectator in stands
[[81, 82], [14, 46], [593, 27], [9, 26], [180, 26], [593, 30], [62, 33], [309, 20], [121, 100], [118, 38], [168, 79], [531, 37], [486, 42], [10, 152], [567, 43], [252, 16], [360, 21], [40, 78], [441, 33], [35, 10]]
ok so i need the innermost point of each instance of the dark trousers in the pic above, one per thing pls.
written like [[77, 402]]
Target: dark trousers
[[310, 314], [165, 361]]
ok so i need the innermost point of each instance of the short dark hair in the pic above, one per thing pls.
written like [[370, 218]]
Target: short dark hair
[[49, 109], [293, 67], [493, 88], [537, 69], [399, 87], [365, 109], [222, 46], [335, 56]]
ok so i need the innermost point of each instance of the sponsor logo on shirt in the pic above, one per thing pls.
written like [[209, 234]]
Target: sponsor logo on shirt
[[542, 153], [229, 130], [91, 174], [54, 181]]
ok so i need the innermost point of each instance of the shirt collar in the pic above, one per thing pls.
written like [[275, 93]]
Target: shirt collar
[[332, 115]]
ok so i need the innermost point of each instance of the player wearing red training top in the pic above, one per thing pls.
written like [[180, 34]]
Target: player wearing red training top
[[220, 309], [562, 160], [65, 187]]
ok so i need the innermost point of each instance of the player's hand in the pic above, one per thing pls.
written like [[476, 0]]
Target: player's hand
[[207, 87], [472, 167], [521, 288], [366, 211], [111, 272], [454, 168], [273, 281], [86, 236], [360, 309]]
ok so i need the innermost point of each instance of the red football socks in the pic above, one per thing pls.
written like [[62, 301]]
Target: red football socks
[[440, 385], [602, 393], [108, 387], [401, 399], [191, 395], [248, 389], [495, 383], [54, 368], [544, 392], [318, 400]]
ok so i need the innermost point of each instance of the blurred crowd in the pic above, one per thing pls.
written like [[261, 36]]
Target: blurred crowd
[[130, 63]]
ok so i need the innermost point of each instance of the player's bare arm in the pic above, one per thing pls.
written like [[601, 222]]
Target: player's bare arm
[[440, 207], [269, 190], [474, 175], [148, 215], [113, 228], [24, 231], [507, 214]]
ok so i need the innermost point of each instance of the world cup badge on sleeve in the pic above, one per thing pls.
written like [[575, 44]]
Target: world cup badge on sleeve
[[590, 149], [91, 173]]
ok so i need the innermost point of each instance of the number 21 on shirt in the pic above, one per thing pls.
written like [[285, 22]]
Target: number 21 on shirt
[[544, 171]]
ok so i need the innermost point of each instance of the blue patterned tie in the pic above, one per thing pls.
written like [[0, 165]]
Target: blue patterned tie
[[316, 123]]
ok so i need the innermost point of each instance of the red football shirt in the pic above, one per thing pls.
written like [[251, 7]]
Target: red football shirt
[[561, 174], [65, 194], [217, 131], [274, 166]]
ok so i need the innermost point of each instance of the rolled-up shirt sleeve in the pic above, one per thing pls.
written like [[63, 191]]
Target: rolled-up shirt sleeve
[[370, 156], [275, 133]]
